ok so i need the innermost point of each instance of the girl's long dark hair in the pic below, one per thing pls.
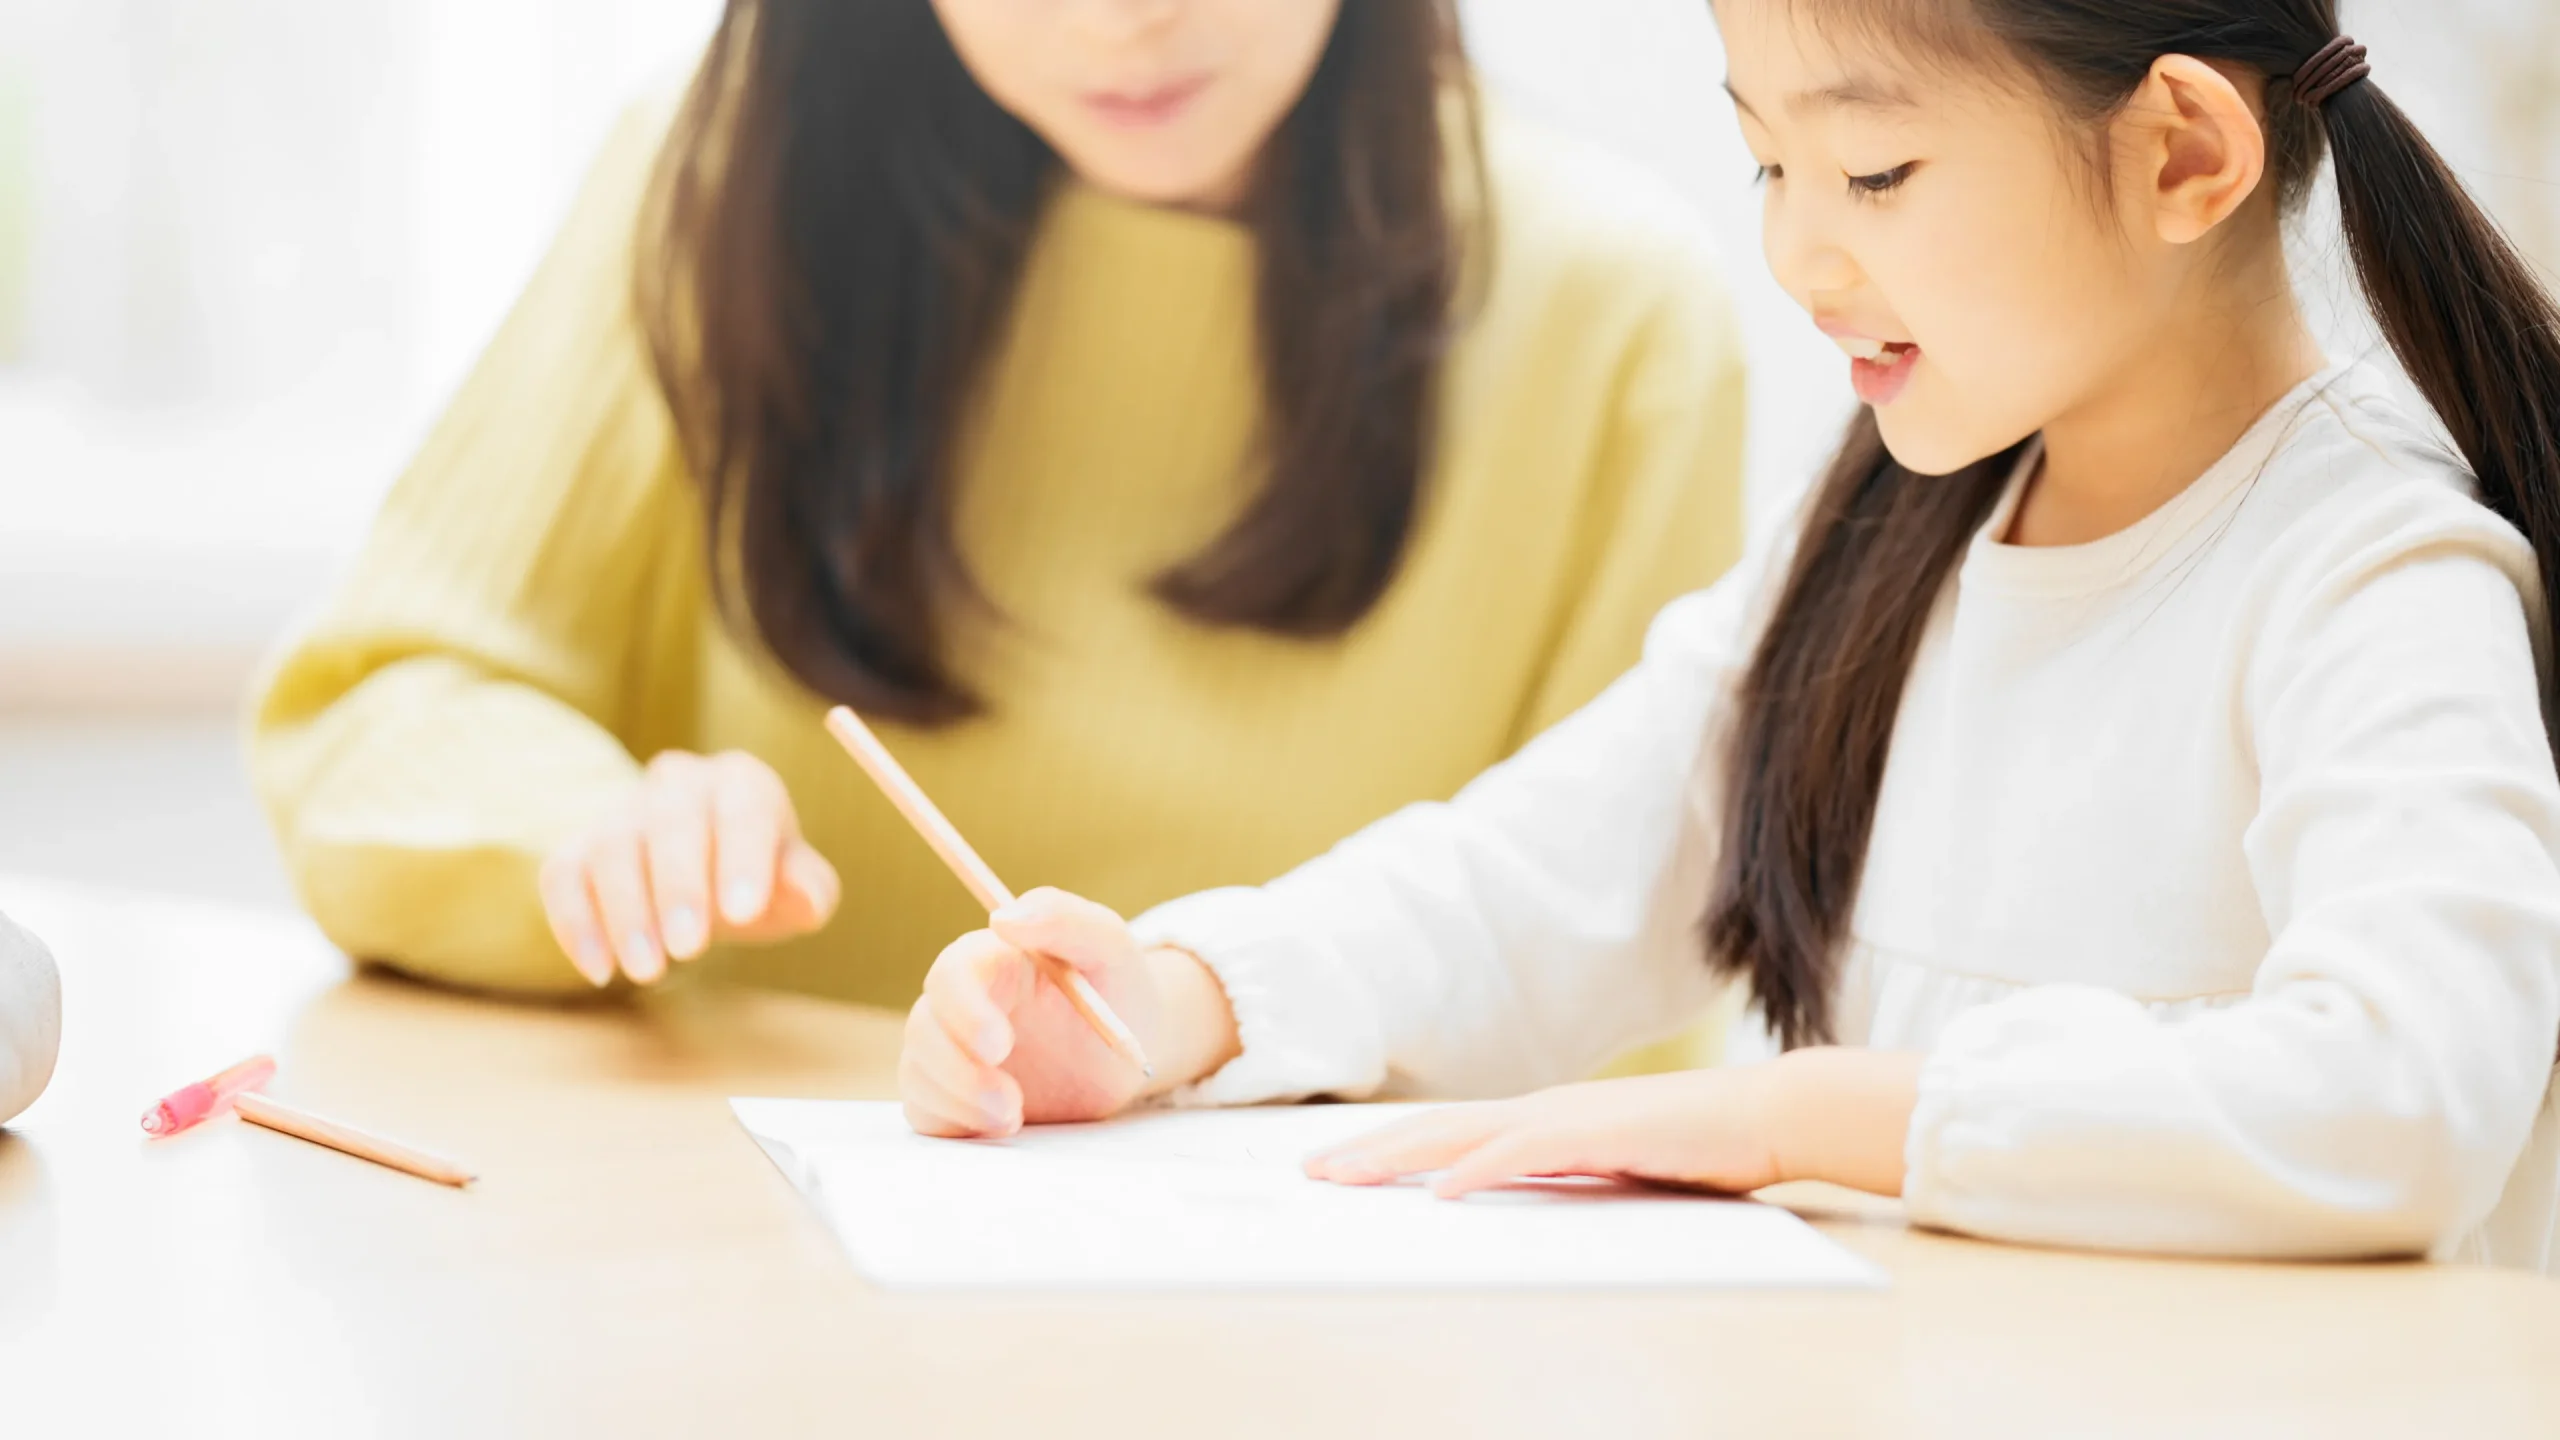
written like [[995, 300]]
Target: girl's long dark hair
[[830, 253], [2459, 306]]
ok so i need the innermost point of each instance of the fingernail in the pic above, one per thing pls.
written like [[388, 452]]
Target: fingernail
[[593, 963], [685, 935], [640, 955], [997, 1107], [994, 1042], [738, 901]]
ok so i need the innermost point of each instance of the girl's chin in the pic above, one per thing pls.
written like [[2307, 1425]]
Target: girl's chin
[[1922, 450]]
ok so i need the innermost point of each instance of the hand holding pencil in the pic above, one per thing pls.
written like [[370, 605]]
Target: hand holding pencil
[[1038, 1018], [993, 1045]]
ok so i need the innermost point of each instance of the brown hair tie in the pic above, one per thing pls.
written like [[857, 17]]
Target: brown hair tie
[[2339, 64]]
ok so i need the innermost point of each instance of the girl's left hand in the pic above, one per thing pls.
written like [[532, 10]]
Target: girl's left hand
[[1711, 1129]]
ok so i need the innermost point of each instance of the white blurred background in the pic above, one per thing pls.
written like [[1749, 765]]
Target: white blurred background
[[248, 246]]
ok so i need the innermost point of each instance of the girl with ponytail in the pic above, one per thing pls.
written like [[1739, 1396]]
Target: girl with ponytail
[[2126, 792]]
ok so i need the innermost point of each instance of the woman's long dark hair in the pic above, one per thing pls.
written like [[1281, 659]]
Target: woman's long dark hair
[[2460, 307], [831, 250]]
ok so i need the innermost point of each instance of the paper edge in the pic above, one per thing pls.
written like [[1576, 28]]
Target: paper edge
[[1860, 1274]]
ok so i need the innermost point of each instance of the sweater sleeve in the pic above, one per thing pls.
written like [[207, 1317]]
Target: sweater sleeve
[[1667, 498], [451, 714], [2373, 1091], [1513, 936]]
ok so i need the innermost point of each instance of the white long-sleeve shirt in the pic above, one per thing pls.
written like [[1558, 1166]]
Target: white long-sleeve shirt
[[2216, 869]]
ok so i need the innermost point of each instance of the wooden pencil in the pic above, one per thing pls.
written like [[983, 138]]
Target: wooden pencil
[[301, 1124], [976, 874]]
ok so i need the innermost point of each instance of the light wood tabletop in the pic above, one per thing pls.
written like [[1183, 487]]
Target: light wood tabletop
[[630, 1265]]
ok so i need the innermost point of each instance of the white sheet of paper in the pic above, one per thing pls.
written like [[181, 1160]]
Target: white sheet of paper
[[1213, 1199]]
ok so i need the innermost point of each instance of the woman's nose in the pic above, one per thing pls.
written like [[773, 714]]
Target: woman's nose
[[1119, 22]]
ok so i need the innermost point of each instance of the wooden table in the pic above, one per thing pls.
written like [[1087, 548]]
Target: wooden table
[[631, 1266]]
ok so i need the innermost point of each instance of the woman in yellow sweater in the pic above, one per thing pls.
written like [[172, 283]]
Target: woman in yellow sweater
[[1189, 430]]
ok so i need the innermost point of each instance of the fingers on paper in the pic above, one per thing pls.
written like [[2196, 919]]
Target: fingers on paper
[[1517, 1153], [1430, 1141]]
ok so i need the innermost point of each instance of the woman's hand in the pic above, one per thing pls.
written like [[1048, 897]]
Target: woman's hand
[[636, 891], [993, 1045], [1821, 1114]]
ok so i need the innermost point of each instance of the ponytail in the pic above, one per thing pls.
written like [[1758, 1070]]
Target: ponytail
[[2463, 312]]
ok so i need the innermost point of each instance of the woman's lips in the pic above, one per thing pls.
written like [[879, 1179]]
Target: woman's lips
[[1882, 380], [1146, 109]]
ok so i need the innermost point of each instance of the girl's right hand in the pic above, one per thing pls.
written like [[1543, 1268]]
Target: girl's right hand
[[637, 890], [993, 1045]]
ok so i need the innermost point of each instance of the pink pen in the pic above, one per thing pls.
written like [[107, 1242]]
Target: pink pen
[[195, 1103]]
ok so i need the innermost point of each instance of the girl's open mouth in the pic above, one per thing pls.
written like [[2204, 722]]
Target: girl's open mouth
[[1881, 379]]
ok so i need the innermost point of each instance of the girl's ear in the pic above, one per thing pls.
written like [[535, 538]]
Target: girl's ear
[[2194, 144]]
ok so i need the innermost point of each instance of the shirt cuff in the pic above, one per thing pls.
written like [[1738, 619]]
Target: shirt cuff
[[1305, 1025], [1981, 1149]]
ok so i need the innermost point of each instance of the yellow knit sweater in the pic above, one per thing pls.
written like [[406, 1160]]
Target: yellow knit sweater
[[528, 621]]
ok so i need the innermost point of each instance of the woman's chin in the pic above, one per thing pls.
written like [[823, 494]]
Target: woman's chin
[[1170, 183]]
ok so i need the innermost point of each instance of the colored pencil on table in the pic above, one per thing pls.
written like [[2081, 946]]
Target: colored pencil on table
[[259, 1110], [975, 873]]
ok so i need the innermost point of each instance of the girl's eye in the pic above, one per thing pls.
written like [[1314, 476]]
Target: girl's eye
[[1766, 173], [1883, 182]]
